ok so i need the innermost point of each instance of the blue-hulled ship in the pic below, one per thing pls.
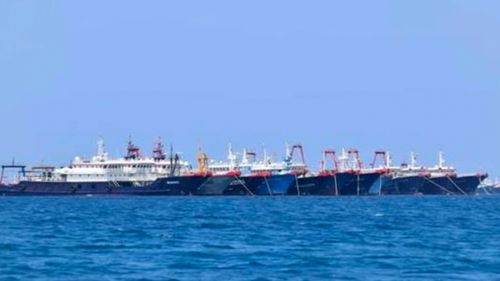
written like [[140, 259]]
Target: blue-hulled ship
[[136, 174], [260, 177], [346, 178], [285, 177], [399, 180], [308, 183]]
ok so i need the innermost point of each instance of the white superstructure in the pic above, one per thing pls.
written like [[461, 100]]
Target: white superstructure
[[133, 167], [249, 165], [288, 165], [441, 169]]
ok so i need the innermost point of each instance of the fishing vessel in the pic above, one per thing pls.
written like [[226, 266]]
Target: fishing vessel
[[280, 178], [259, 177], [162, 174], [245, 181], [218, 176], [406, 179], [357, 179], [320, 183], [133, 174], [348, 177], [443, 179]]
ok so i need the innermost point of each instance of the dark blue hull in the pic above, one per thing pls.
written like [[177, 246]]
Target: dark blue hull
[[461, 185], [246, 185], [182, 185], [338, 184], [467, 184], [215, 185], [436, 186], [276, 185], [356, 184], [402, 185], [315, 185]]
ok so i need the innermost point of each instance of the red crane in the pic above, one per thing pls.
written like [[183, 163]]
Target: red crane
[[301, 150], [379, 153], [329, 153], [355, 153]]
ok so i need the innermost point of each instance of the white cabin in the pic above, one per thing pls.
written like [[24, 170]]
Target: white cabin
[[133, 167]]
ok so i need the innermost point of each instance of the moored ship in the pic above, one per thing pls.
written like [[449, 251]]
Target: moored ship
[[260, 177], [348, 177], [399, 180], [246, 183], [308, 183], [218, 179], [132, 175], [135, 174], [444, 180], [280, 178]]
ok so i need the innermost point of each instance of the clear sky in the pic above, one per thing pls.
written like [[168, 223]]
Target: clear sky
[[403, 76]]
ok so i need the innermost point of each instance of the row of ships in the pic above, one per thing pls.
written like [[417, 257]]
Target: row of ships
[[243, 173]]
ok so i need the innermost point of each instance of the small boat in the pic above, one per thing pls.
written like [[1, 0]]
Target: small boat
[[489, 187]]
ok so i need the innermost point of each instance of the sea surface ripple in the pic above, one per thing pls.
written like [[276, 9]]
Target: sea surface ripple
[[250, 238]]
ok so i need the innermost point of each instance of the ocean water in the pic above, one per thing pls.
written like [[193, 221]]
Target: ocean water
[[250, 238]]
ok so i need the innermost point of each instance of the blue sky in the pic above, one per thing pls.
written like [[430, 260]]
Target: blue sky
[[404, 76]]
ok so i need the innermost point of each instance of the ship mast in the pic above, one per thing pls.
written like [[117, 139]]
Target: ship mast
[[174, 161], [158, 153], [355, 160], [233, 159], [101, 151], [133, 152], [413, 160], [388, 159], [441, 161]]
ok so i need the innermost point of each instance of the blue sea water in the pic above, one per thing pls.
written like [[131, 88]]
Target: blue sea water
[[250, 238]]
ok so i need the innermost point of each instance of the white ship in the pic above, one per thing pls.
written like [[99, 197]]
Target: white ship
[[134, 167], [248, 164]]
